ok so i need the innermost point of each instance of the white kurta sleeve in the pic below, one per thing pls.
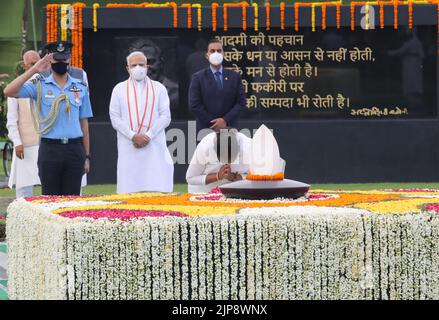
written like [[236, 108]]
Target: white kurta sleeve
[[164, 118], [117, 121], [12, 122], [195, 173]]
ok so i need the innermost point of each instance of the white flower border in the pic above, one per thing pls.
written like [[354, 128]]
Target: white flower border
[[261, 253]]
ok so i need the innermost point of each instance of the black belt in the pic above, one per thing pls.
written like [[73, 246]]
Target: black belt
[[62, 141]]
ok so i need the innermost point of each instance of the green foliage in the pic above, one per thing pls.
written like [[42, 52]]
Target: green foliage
[[18, 70], [3, 110]]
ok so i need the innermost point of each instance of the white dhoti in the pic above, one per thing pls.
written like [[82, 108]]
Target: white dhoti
[[24, 172], [149, 168]]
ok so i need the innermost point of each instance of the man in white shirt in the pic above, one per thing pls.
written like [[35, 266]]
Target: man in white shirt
[[21, 131], [220, 157], [140, 113]]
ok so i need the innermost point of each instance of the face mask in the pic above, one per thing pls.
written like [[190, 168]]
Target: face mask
[[138, 73], [60, 67], [216, 59]]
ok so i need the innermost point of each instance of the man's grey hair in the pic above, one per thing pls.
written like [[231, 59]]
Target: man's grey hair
[[136, 53], [30, 53]]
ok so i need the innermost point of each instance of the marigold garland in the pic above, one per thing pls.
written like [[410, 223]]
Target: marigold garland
[[55, 12], [261, 177], [282, 15], [243, 6], [338, 16], [256, 14], [64, 21], [410, 9], [95, 17], [188, 6], [313, 17], [52, 22], [296, 16], [199, 15], [267, 14], [173, 5], [214, 16], [81, 28], [381, 15]]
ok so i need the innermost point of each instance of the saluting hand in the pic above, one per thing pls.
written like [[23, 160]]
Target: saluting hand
[[43, 64]]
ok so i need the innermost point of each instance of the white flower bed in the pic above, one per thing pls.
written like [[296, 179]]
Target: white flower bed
[[262, 253]]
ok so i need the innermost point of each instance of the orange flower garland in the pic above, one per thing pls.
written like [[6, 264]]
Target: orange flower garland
[[352, 16], [338, 9], [51, 22], [381, 15], [74, 36], [173, 5], [313, 17], [80, 33], [76, 33], [243, 6], [214, 17], [296, 16], [282, 15], [189, 14], [261, 177], [267, 14]]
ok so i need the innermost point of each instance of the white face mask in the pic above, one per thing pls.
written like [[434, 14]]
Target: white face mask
[[216, 59], [138, 73]]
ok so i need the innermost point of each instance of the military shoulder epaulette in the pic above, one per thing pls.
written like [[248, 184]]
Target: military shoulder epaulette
[[37, 78]]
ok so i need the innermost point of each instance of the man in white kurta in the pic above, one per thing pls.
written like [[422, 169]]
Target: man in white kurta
[[21, 131], [207, 170], [140, 113]]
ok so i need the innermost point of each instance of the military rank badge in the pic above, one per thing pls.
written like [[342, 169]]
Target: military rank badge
[[76, 90], [49, 94]]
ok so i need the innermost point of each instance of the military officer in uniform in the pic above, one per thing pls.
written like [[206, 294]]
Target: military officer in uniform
[[61, 112]]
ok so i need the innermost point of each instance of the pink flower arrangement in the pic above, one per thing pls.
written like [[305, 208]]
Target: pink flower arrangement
[[434, 208], [215, 190], [121, 214]]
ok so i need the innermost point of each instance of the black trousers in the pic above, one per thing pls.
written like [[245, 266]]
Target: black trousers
[[61, 167]]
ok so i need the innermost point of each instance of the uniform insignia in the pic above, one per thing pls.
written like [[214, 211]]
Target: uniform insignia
[[60, 47], [75, 89], [36, 79]]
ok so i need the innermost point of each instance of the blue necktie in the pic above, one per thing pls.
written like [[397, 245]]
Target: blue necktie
[[219, 83]]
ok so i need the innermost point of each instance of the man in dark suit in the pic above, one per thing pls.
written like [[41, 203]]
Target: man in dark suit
[[216, 94]]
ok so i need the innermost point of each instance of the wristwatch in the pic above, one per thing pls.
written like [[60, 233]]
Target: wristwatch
[[88, 157]]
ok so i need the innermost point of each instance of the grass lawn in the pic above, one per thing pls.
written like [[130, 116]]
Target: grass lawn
[[111, 188]]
